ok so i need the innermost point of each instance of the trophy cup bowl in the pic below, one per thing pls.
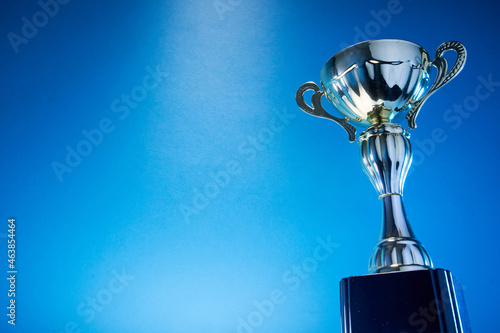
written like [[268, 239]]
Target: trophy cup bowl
[[382, 73], [375, 85], [380, 81]]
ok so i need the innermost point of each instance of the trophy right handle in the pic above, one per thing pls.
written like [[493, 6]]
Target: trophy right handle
[[442, 76], [317, 109]]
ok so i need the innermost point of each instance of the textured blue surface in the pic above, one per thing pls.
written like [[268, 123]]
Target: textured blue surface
[[163, 179]]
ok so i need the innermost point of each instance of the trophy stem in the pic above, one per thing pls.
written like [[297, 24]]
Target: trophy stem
[[395, 223], [397, 248], [386, 157]]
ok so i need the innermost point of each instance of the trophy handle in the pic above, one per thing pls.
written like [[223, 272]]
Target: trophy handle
[[317, 109], [442, 76]]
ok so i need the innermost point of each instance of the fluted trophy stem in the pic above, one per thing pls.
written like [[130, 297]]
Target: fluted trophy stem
[[386, 157]]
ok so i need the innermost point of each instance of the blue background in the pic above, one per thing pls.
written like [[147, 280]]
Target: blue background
[[133, 206]]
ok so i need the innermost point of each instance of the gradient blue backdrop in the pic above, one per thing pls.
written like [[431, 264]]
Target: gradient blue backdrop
[[134, 207]]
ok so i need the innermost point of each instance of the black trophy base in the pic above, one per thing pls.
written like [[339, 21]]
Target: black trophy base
[[420, 301]]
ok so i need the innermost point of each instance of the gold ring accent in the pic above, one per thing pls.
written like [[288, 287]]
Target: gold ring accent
[[388, 194]]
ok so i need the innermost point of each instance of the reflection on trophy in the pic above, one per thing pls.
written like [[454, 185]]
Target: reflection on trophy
[[376, 85]]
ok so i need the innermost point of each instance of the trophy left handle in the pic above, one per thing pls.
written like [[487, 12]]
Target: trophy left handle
[[317, 109], [442, 76]]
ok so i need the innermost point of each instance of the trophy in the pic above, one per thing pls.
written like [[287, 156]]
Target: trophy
[[375, 85]]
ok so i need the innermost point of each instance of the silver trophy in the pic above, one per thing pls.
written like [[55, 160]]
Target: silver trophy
[[376, 85]]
